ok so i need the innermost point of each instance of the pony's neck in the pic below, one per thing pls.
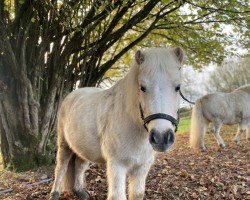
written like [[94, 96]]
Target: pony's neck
[[128, 86]]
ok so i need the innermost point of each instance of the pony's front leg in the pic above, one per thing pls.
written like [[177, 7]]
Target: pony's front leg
[[116, 174], [137, 181]]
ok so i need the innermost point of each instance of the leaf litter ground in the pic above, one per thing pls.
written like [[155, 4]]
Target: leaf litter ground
[[180, 174]]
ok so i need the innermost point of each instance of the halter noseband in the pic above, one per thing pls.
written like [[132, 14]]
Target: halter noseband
[[149, 118], [174, 121]]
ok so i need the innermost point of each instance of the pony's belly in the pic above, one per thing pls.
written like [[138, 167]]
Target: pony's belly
[[86, 148], [232, 120], [92, 156]]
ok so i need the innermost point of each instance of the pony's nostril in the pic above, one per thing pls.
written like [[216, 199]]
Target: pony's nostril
[[170, 137], [153, 137]]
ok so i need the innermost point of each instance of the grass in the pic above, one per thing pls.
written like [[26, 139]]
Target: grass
[[184, 125]]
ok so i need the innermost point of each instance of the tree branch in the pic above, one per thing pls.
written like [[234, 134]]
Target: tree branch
[[217, 9]]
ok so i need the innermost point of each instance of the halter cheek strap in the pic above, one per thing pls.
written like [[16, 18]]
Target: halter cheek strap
[[149, 118], [174, 121]]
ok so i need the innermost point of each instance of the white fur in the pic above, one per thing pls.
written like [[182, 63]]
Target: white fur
[[220, 108], [105, 125]]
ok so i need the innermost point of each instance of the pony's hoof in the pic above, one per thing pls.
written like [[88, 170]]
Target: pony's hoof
[[237, 142], [82, 195], [54, 196], [222, 146], [203, 148]]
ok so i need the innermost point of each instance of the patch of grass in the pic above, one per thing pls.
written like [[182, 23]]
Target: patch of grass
[[184, 125]]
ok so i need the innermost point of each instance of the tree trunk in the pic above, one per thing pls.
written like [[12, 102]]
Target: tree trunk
[[19, 135], [23, 136]]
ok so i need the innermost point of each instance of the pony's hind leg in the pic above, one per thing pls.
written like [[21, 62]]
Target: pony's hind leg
[[239, 132], [220, 141], [248, 133], [80, 183], [63, 156]]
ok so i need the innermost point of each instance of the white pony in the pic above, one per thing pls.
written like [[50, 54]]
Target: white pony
[[220, 108], [108, 126]]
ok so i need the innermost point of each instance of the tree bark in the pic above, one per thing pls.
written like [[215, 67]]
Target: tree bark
[[18, 136]]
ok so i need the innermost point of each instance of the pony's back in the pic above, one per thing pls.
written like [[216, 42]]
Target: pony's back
[[244, 88], [217, 106]]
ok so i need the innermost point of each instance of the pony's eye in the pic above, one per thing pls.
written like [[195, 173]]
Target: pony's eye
[[178, 87], [143, 88]]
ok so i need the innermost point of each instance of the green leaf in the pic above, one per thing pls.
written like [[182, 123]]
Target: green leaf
[[33, 20]]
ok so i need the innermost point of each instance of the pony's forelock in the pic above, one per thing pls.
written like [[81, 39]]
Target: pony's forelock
[[159, 60]]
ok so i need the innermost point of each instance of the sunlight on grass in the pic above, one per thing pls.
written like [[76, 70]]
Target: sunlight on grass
[[184, 125], [1, 162]]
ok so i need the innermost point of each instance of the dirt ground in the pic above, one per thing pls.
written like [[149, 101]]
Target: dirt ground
[[180, 174]]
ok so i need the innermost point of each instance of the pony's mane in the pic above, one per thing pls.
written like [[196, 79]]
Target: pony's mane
[[160, 59], [245, 88]]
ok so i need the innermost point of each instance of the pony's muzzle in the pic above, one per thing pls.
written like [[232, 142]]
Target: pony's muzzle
[[161, 141]]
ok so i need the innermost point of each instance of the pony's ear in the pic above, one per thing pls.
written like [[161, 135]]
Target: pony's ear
[[179, 54], [139, 57]]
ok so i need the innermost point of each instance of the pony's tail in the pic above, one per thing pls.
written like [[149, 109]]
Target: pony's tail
[[69, 177], [198, 126]]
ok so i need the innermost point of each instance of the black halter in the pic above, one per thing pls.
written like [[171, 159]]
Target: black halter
[[191, 102], [174, 121], [149, 118]]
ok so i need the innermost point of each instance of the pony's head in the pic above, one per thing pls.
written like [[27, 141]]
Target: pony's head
[[159, 80]]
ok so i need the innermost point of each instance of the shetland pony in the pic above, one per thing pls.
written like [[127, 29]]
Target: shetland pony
[[220, 108], [108, 126]]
